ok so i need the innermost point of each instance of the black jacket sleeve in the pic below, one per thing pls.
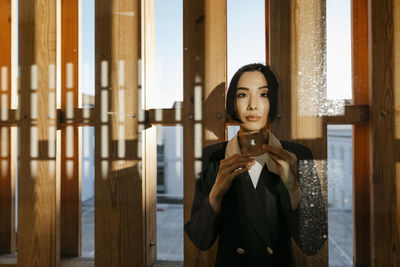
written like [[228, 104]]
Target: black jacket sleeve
[[203, 226], [308, 222]]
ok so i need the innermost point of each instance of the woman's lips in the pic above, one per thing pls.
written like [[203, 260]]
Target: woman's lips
[[253, 118]]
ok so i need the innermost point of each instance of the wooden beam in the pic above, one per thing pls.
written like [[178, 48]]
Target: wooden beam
[[7, 219], [149, 136], [119, 186], [81, 117], [297, 30], [354, 114], [70, 215], [280, 58], [267, 32], [37, 234], [384, 88], [361, 155], [204, 72], [168, 117]]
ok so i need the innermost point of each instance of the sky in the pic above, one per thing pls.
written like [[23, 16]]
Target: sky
[[245, 44]]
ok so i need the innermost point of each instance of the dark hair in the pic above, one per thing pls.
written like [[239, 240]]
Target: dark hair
[[273, 89]]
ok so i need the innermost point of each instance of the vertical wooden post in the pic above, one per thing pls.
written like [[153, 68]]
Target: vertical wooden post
[[7, 223], [119, 186], [298, 56], [70, 215], [361, 190], [204, 90], [384, 88], [267, 32], [280, 58], [215, 56], [149, 136], [37, 233]]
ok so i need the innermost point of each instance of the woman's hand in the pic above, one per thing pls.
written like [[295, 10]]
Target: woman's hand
[[286, 163], [229, 168]]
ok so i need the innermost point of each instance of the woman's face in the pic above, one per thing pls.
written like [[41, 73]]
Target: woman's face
[[252, 102]]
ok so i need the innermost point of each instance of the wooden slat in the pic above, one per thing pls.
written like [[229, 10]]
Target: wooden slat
[[119, 187], [267, 32], [204, 69], [193, 43], [384, 88], [168, 117], [37, 235], [7, 222], [76, 262], [11, 120], [215, 56], [297, 30], [148, 26], [70, 216], [361, 162], [280, 44], [65, 262], [354, 114], [81, 117], [150, 174]]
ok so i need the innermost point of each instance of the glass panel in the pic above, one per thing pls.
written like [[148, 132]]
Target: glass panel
[[86, 47], [339, 71], [87, 194], [246, 34], [340, 195], [170, 193], [169, 55], [87, 89]]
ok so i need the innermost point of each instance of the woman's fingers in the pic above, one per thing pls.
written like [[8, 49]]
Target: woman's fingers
[[280, 153], [238, 171], [239, 165], [233, 159]]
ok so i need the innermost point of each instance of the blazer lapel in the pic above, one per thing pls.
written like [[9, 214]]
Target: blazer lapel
[[248, 201]]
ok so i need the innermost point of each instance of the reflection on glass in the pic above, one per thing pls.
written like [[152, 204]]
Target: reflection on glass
[[246, 34], [338, 41], [340, 196], [170, 193], [87, 194], [169, 55]]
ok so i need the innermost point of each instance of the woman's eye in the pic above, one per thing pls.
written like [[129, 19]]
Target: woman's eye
[[240, 95], [264, 94]]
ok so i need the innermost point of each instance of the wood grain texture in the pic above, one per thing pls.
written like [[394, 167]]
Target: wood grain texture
[[353, 114], [267, 32], [119, 186], [168, 117], [361, 155], [280, 58], [37, 233], [193, 43], [148, 50], [297, 55], [7, 220], [70, 215], [204, 37], [150, 174], [384, 101], [215, 57]]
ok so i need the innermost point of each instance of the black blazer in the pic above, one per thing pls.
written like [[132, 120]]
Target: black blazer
[[255, 225]]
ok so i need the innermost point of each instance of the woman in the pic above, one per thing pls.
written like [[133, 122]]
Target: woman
[[256, 192]]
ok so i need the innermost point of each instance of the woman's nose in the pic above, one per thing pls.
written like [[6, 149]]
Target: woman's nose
[[252, 104]]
